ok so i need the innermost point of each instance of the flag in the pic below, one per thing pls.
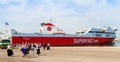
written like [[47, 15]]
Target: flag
[[6, 23]]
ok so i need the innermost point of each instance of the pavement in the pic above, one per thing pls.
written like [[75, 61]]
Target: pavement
[[66, 54]]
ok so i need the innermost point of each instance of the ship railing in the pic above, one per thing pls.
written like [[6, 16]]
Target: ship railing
[[37, 34], [57, 35]]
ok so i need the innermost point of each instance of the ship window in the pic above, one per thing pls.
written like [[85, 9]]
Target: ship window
[[108, 35], [91, 31], [77, 32], [59, 34], [99, 32], [80, 32], [98, 35], [105, 32]]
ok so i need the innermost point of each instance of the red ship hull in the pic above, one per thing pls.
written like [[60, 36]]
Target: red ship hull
[[62, 41]]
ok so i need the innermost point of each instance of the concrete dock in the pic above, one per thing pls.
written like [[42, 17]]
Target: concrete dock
[[66, 54]]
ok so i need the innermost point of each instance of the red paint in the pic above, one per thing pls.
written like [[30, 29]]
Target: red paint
[[48, 24], [61, 41]]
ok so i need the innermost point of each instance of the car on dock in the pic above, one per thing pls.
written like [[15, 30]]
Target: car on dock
[[4, 43]]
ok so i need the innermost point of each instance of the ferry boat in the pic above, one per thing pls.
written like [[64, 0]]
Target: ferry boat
[[49, 33]]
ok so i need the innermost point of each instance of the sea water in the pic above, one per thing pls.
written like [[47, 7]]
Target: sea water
[[117, 43]]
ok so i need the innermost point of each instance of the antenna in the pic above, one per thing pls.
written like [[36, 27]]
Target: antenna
[[51, 20]]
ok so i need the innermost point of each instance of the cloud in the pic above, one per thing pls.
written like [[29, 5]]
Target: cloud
[[71, 15]]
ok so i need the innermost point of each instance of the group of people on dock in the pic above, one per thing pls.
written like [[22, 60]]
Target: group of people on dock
[[26, 48]]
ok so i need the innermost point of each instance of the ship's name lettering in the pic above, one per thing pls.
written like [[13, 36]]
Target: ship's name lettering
[[85, 41], [26, 38]]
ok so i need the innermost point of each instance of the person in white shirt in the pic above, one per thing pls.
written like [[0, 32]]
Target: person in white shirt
[[38, 46]]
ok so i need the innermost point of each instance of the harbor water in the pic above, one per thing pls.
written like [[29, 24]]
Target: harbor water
[[117, 43]]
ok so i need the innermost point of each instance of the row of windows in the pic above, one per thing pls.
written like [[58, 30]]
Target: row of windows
[[101, 32], [99, 35]]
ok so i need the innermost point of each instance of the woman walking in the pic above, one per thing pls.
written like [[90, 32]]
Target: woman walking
[[24, 50]]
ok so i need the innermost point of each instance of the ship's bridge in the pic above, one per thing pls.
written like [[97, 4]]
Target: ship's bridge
[[81, 32], [98, 32]]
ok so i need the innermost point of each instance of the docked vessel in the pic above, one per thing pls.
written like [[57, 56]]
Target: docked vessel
[[49, 33]]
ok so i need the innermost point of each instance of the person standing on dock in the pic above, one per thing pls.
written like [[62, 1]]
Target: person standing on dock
[[32, 48], [44, 45], [9, 50], [48, 46], [38, 46]]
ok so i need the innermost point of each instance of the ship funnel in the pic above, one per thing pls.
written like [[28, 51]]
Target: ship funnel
[[47, 24]]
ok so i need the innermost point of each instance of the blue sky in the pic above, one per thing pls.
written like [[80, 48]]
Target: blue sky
[[70, 15]]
